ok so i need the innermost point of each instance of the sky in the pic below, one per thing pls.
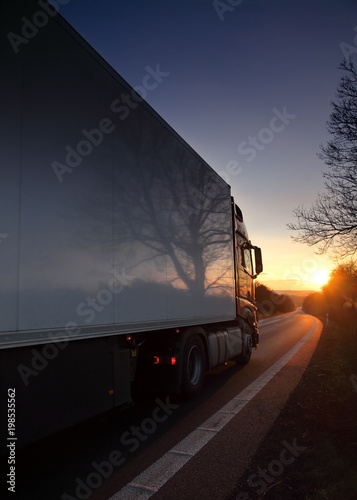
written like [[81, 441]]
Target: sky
[[248, 84]]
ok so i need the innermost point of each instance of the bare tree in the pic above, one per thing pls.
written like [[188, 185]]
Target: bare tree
[[157, 208], [331, 222]]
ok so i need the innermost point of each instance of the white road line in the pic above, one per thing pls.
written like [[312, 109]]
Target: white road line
[[150, 481], [275, 319]]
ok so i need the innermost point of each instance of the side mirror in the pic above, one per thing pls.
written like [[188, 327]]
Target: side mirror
[[258, 261]]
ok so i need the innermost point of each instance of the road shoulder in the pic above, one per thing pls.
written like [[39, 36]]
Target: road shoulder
[[222, 461], [318, 425]]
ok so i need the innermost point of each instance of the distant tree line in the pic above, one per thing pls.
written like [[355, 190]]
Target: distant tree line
[[338, 297], [270, 302]]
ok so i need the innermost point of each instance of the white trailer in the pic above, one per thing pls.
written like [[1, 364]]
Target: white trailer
[[123, 256]]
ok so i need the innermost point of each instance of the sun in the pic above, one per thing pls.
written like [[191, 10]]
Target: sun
[[320, 277]]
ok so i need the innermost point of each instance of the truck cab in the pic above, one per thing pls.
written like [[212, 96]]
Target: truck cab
[[248, 264]]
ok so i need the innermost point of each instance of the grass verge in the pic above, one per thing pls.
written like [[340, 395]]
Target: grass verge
[[317, 429]]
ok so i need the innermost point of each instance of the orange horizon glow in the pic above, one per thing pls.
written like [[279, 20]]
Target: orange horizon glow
[[316, 281]]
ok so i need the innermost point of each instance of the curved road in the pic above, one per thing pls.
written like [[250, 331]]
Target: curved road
[[168, 448]]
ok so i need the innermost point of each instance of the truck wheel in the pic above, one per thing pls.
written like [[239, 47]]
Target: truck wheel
[[244, 357], [193, 366]]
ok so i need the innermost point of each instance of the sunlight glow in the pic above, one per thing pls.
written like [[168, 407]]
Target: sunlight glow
[[320, 277]]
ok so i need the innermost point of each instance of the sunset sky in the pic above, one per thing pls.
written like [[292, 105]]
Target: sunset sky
[[248, 84]]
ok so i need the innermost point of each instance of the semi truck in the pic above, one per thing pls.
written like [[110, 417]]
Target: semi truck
[[124, 258]]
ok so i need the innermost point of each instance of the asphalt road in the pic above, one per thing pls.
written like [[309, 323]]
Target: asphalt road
[[168, 448]]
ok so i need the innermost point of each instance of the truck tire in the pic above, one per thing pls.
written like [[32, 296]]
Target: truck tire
[[193, 366], [244, 357]]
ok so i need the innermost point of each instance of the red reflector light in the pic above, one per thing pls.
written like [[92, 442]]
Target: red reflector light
[[164, 360]]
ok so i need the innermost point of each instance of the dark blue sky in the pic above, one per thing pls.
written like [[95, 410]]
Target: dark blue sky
[[231, 72]]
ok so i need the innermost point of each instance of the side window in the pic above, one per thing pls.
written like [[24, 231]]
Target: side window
[[248, 261]]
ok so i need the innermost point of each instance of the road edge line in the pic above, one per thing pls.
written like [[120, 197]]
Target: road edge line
[[155, 476]]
